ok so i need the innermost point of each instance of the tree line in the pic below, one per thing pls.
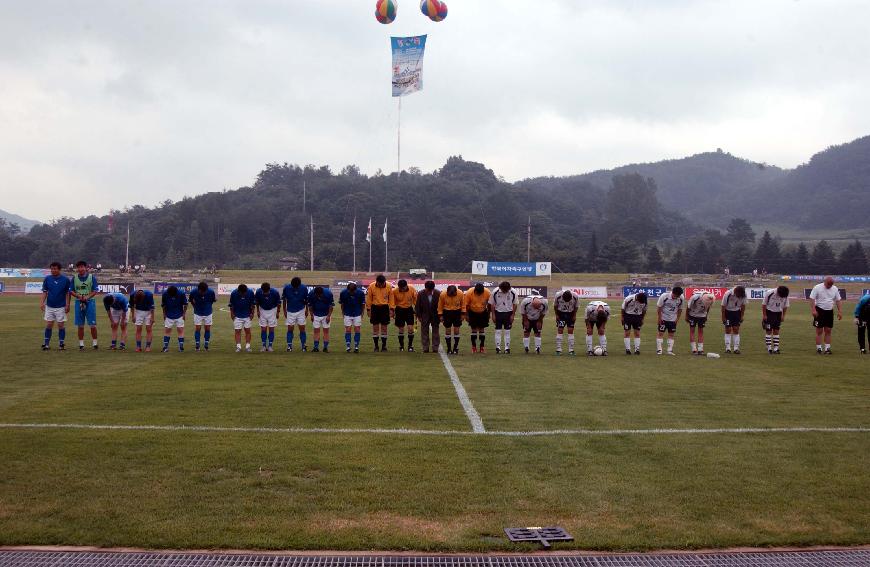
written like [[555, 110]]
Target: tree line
[[440, 221]]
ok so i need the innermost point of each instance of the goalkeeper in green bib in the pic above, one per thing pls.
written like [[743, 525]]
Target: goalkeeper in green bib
[[85, 287]]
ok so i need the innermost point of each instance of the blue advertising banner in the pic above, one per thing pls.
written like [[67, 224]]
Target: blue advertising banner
[[408, 64], [160, 287], [514, 269], [650, 291], [840, 279], [24, 272], [2, 287]]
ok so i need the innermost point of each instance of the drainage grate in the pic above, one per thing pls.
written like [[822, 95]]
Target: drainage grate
[[846, 558], [542, 536]]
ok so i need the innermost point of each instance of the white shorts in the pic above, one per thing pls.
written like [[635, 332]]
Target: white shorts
[[143, 318], [321, 322], [55, 314], [202, 319], [297, 318], [241, 323], [177, 323], [118, 315], [269, 317], [353, 321]]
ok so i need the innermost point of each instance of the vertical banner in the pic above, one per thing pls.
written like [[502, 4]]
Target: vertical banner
[[408, 64]]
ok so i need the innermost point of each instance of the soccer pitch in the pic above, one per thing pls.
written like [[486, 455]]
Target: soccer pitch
[[377, 451]]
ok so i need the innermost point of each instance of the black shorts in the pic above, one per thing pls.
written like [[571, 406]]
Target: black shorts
[[503, 320], [669, 326], [699, 322], [404, 316], [773, 322], [732, 318], [595, 323], [478, 320], [380, 315], [630, 321], [565, 319], [824, 319], [533, 326], [452, 318]]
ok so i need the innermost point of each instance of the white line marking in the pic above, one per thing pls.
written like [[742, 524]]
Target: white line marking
[[470, 412], [446, 432]]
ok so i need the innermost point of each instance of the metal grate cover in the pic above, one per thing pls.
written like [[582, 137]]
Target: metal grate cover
[[844, 558], [542, 536]]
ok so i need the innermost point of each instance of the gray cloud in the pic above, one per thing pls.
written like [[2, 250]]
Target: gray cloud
[[105, 104]]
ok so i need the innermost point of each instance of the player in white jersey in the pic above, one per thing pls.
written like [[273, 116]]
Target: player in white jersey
[[669, 309], [632, 316], [566, 304], [773, 309], [533, 309], [733, 310], [823, 298], [597, 314], [696, 316], [504, 303]]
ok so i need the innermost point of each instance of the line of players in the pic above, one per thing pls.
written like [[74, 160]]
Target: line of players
[[405, 307]]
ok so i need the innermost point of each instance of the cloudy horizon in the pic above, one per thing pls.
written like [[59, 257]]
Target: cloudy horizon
[[107, 105]]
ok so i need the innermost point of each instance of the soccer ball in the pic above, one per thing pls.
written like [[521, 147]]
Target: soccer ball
[[598, 351]]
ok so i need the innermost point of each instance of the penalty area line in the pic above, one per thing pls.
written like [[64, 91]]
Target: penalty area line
[[470, 412], [436, 432]]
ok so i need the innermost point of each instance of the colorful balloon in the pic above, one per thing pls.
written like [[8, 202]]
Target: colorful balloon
[[385, 11], [435, 10]]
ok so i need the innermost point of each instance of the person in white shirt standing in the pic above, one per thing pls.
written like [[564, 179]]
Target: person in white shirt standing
[[633, 313], [696, 316], [669, 307], [773, 309], [733, 310], [504, 303], [823, 298]]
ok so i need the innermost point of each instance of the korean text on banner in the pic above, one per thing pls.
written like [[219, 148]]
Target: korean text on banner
[[408, 64], [649, 291], [511, 269], [717, 292]]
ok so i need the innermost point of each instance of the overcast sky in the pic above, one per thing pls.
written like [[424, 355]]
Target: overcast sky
[[106, 104]]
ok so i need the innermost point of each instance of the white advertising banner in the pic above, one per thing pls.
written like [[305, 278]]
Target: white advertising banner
[[588, 292]]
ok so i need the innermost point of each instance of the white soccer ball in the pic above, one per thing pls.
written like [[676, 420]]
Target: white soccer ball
[[712, 355], [598, 351]]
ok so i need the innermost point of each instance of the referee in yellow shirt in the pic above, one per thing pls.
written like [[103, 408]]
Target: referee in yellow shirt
[[402, 301], [379, 312]]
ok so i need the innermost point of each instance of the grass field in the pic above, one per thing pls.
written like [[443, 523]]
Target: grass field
[[322, 458]]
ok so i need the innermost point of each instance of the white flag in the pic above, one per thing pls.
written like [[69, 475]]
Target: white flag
[[354, 231], [385, 230], [369, 232]]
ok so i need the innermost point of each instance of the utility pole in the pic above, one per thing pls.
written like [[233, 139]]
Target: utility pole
[[303, 196], [127, 254], [312, 243], [529, 241], [354, 245]]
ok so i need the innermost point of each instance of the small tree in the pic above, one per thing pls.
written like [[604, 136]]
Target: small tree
[[823, 260], [739, 230], [654, 260], [853, 259]]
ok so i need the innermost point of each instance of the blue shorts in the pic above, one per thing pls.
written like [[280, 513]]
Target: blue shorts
[[86, 312]]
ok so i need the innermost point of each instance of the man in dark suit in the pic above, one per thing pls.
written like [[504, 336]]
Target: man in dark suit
[[427, 315]]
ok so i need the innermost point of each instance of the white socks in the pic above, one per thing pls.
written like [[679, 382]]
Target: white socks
[[637, 343], [537, 341], [728, 342], [571, 342], [498, 338], [507, 338], [736, 339], [559, 342], [659, 344], [526, 342], [627, 342], [670, 345], [588, 343], [602, 340]]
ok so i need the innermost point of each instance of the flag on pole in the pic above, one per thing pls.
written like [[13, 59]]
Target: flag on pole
[[407, 64], [385, 230], [354, 231], [369, 231]]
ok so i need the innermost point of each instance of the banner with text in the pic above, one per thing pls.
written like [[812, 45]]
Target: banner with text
[[511, 269], [408, 64], [756, 293], [24, 272], [649, 291], [588, 292], [521, 291], [841, 279], [228, 288], [117, 287], [185, 287], [33, 287], [717, 292]]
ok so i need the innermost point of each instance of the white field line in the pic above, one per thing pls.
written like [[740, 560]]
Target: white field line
[[384, 431], [470, 412]]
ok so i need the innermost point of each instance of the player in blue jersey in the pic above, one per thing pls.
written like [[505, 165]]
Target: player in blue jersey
[[203, 299], [267, 300], [295, 300], [116, 307], [174, 304], [55, 305], [242, 305], [142, 314], [84, 288], [320, 306], [353, 303]]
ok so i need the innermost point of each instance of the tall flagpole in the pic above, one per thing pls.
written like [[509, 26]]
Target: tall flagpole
[[386, 270], [354, 245], [127, 254], [399, 141], [312, 243], [529, 241], [369, 238]]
